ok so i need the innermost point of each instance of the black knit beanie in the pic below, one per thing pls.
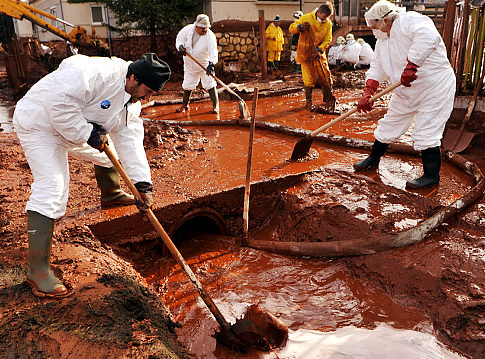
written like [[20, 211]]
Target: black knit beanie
[[151, 71]]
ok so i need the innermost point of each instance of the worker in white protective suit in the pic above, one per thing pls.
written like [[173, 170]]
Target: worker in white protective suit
[[69, 112], [351, 50], [335, 52], [366, 53], [410, 49], [200, 42]]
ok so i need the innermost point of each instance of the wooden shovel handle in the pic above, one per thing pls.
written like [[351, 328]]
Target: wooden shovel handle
[[247, 187], [215, 77], [348, 113], [319, 60], [168, 242]]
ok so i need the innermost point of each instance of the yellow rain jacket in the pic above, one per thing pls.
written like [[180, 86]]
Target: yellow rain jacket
[[274, 37], [321, 33]]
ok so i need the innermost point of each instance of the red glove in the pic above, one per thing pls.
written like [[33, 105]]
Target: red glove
[[370, 87], [409, 74]]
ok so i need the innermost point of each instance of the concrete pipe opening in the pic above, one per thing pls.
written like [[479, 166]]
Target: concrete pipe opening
[[197, 222]]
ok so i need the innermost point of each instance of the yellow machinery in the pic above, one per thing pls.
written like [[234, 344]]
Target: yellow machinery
[[78, 36]]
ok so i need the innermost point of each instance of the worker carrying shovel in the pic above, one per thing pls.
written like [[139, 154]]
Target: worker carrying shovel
[[409, 49], [315, 29], [70, 112], [199, 41]]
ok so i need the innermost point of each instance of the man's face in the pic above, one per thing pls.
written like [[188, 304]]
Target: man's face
[[200, 30], [322, 16], [383, 25], [137, 90]]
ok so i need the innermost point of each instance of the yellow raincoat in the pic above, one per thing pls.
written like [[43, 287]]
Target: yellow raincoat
[[321, 33], [274, 42]]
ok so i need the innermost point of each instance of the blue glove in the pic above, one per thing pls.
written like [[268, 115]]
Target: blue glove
[[97, 138], [318, 52], [146, 191], [211, 70], [182, 50]]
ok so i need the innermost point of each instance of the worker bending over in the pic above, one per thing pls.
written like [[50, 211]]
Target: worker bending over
[[410, 49], [315, 30], [68, 112]]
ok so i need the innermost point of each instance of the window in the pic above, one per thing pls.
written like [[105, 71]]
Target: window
[[53, 12], [97, 14]]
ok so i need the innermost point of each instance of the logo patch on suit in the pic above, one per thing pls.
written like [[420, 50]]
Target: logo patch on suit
[[105, 104]]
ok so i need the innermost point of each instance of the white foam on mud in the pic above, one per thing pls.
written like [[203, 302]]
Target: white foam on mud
[[384, 342]]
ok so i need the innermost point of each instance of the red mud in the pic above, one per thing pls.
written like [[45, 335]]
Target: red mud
[[110, 315]]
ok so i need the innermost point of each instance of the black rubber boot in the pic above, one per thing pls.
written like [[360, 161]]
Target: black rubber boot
[[40, 276], [215, 100], [378, 150], [431, 158], [270, 67], [185, 101], [329, 98], [308, 97], [112, 195]]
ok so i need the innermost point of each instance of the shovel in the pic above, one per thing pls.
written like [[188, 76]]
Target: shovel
[[243, 107], [303, 146], [458, 140], [270, 332]]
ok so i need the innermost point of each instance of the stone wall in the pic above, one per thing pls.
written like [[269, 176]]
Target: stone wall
[[243, 46]]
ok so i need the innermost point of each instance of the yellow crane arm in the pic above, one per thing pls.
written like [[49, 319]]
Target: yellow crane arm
[[21, 10]]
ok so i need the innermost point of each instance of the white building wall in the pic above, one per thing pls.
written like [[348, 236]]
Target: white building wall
[[248, 10]]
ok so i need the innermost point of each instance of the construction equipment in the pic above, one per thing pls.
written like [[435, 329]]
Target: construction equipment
[[303, 146], [458, 140], [258, 329], [78, 35], [243, 107]]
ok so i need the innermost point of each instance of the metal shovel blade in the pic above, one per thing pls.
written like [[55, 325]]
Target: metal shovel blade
[[456, 140], [301, 148], [257, 329]]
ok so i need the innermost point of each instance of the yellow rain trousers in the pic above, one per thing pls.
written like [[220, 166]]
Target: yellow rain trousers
[[321, 33], [274, 42]]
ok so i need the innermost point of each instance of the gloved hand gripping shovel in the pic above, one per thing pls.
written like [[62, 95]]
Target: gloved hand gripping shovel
[[258, 328], [303, 146], [243, 107]]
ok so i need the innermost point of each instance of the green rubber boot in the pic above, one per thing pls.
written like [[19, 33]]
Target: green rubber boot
[[112, 195], [40, 277], [215, 100], [185, 101]]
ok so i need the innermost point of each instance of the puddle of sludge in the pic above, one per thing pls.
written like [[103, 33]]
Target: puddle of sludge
[[330, 314]]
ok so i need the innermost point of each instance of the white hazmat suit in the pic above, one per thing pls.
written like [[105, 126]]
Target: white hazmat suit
[[366, 53], [52, 121], [429, 99], [203, 50], [350, 51]]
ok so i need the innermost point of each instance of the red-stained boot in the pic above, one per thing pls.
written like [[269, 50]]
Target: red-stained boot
[[40, 276]]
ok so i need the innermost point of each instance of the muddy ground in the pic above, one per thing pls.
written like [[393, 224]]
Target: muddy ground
[[115, 314]]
